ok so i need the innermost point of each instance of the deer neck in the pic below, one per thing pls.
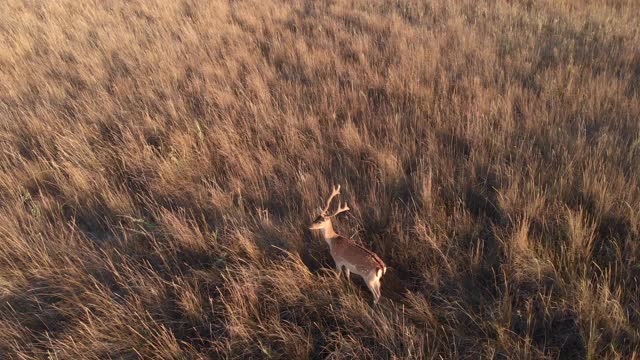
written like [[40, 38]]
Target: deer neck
[[329, 234]]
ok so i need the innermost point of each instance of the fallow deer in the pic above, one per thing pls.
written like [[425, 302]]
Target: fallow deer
[[346, 253]]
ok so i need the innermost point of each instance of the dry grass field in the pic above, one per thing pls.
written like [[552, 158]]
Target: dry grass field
[[161, 161]]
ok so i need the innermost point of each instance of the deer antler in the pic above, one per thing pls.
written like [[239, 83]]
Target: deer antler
[[341, 209], [334, 193]]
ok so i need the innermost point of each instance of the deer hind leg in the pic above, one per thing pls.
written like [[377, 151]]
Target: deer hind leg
[[338, 269], [377, 285], [347, 272], [376, 288], [373, 283]]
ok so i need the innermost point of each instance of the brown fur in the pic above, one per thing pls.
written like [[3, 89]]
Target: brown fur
[[348, 250], [346, 253]]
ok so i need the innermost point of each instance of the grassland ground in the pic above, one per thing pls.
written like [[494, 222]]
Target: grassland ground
[[160, 163]]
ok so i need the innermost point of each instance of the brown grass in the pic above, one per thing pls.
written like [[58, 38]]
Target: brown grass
[[160, 162]]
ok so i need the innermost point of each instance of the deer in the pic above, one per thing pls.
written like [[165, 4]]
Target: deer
[[348, 254]]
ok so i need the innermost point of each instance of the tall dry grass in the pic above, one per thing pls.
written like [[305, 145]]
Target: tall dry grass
[[161, 161]]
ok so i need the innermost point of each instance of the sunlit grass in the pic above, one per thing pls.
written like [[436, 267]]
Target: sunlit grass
[[160, 163]]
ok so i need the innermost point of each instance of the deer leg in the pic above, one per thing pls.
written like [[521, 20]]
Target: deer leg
[[378, 291], [347, 272], [338, 269], [371, 284]]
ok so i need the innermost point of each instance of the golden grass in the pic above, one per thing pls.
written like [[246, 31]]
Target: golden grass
[[160, 162]]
